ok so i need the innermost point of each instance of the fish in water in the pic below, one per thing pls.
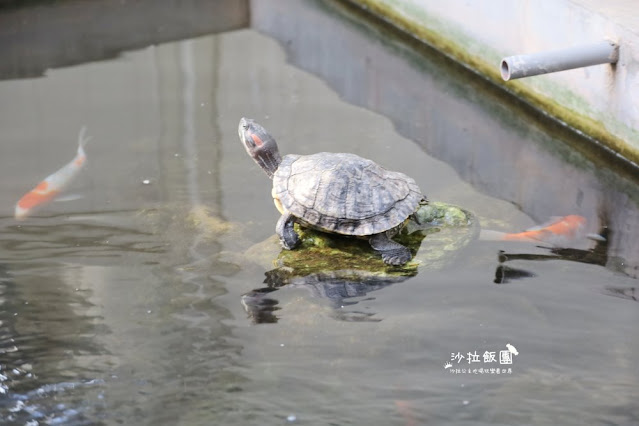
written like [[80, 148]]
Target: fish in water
[[558, 231], [53, 184]]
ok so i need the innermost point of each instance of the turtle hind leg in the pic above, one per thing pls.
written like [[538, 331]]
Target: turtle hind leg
[[393, 253], [284, 229]]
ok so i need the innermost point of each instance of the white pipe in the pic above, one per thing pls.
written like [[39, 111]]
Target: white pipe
[[520, 66]]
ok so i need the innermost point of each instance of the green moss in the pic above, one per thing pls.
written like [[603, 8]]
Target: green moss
[[320, 252], [444, 227], [436, 213]]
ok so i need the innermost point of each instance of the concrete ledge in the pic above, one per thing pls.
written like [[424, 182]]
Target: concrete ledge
[[598, 101]]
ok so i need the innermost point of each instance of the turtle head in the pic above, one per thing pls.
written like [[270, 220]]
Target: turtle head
[[260, 145]]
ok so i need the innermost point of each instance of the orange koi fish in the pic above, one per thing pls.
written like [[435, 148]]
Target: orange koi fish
[[53, 184], [558, 231]]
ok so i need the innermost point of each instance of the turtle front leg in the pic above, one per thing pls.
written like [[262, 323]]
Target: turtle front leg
[[393, 253], [284, 229]]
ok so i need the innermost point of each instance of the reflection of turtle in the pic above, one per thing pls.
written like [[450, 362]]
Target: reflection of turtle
[[337, 193], [337, 287], [339, 269]]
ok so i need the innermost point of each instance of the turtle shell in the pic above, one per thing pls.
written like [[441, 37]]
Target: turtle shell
[[344, 193]]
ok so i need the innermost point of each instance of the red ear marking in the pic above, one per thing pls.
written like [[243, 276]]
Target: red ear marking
[[257, 139]]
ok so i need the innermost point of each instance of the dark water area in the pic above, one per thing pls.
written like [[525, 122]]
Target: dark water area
[[151, 295]]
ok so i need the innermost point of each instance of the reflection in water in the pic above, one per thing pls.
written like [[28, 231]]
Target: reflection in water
[[598, 255], [56, 34], [76, 315], [260, 307], [629, 293], [505, 274], [49, 341], [339, 288], [49, 239]]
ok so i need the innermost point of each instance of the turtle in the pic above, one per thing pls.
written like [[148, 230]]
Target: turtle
[[337, 193]]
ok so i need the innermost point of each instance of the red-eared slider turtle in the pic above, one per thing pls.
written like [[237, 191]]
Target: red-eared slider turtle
[[335, 192]]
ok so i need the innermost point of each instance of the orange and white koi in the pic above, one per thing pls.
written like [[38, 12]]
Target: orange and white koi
[[53, 184], [558, 231]]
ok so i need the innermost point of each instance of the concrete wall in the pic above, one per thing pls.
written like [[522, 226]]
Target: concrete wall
[[598, 101]]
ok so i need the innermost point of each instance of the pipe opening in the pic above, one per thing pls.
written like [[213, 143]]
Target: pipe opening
[[505, 70]]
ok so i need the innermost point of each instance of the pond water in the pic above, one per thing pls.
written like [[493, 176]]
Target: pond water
[[145, 298]]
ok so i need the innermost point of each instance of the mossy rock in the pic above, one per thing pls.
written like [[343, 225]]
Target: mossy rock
[[335, 268], [442, 229]]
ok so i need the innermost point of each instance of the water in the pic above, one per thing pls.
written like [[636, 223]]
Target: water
[[125, 306]]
